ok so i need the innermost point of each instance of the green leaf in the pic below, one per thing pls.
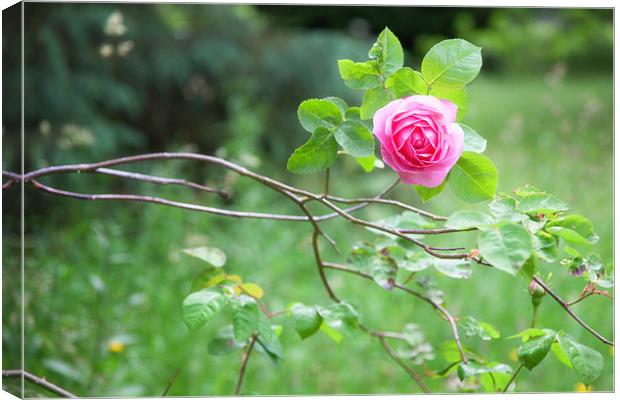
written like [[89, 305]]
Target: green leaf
[[484, 330], [464, 219], [587, 363], [561, 355], [203, 279], [505, 209], [373, 100], [541, 203], [506, 247], [473, 368], [473, 178], [532, 352], [268, 339], [341, 316], [406, 82], [356, 139], [360, 75], [450, 352], [545, 246], [353, 113], [307, 320], [245, 320], [428, 193], [574, 229], [317, 154], [528, 333], [332, 333], [458, 96], [473, 327], [388, 52], [458, 269], [212, 255], [342, 105], [315, 113], [452, 63], [473, 141], [367, 163], [199, 307]]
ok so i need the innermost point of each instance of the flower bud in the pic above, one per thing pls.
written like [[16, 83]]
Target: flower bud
[[537, 292]]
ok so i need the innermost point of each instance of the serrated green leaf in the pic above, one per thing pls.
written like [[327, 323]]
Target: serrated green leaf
[[388, 52], [212, 255], [587, 363], [317, 154], [373, 100], [307, 320], [452, 63], [464, 219], [360, 75], [532, 352], [506, 247], [245, 320], [574, 229], [473, 141], [406, 82], [473, 178], [199, 307], [355, 138], [315, 113]]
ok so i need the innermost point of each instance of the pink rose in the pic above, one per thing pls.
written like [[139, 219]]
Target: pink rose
[[419, 138]]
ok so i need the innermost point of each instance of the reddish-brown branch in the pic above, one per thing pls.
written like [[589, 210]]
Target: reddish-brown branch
[[42, 382], [244, 362], [570, 312]]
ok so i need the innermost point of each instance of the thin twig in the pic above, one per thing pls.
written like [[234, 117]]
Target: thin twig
[[171, 381], [570, 312], [244, 362], [42, 382], [451, 320], [438, 231], [321, 266], [395, 203], [160, 180], [412, 373], [7, 184]]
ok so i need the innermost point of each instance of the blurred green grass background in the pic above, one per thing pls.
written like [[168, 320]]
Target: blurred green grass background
[[98, 273]]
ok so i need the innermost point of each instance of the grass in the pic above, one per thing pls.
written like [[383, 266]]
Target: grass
[[114, 272]]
